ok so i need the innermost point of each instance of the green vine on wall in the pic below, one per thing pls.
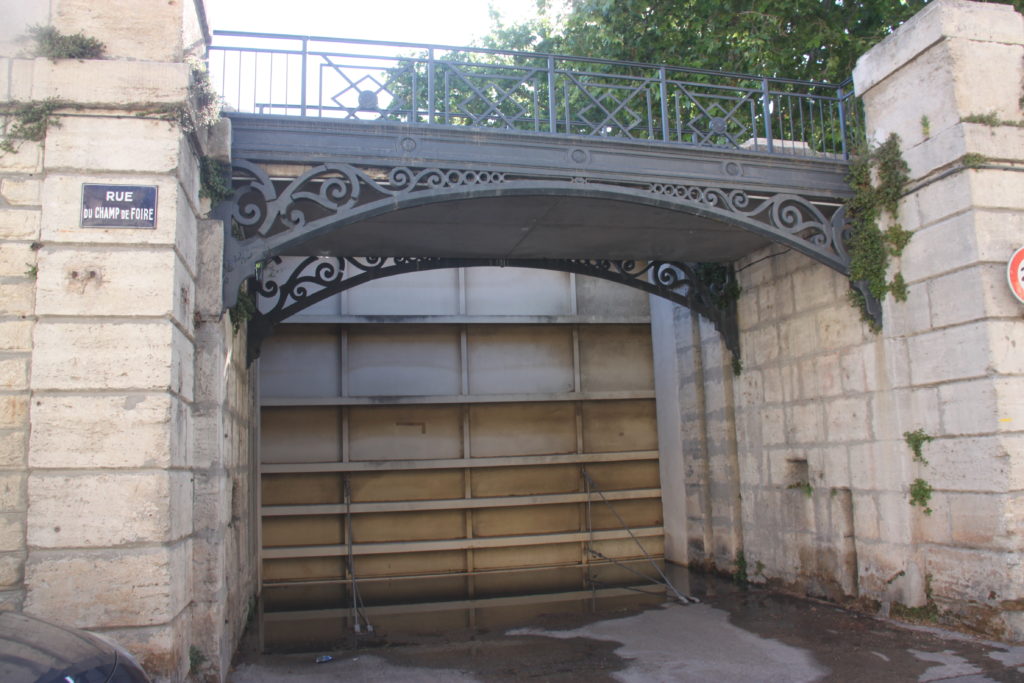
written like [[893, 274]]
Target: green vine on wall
[[870, 248], [920, 490], [28, 121]]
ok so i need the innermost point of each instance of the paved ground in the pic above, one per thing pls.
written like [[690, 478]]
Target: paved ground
[[733, 635]]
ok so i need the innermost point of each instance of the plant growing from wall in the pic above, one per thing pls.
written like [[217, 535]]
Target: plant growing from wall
[[921, 494], [916, 441], [804, 486], [242, 311], [214, 180], [28, 122], [53, 44], [204, 104], [869, 247], [926, 126], [739, 575]]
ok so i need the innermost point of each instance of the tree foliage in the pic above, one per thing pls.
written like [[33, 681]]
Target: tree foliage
[[817, 40]]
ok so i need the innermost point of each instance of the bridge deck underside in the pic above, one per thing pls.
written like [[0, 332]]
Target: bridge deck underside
[[537, 226]]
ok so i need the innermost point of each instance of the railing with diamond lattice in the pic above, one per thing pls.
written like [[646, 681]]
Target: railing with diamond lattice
[[553, 94]]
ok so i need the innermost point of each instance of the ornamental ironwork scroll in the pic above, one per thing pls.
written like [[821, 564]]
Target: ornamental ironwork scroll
[[271, 212], [281, 294]]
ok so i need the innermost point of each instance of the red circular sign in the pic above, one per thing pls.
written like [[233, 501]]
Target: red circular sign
[[1015, 274]]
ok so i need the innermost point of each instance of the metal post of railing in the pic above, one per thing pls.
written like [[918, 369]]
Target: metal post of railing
[[842, 121], [766, 107], [663, 87], [305, 58], [552, 107], [430, 86]]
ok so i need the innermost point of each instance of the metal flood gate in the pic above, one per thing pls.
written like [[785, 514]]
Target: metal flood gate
[[433, 444]]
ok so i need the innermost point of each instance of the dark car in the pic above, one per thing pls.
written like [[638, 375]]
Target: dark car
[[37, 651]]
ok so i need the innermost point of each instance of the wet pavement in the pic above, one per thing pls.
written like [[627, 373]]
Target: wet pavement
[[734, 634]]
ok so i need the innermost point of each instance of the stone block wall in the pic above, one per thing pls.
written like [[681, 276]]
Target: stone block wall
[[821, 409], [125, 471]]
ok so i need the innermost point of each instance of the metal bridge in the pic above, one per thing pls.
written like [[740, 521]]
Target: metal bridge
[[374, 158]]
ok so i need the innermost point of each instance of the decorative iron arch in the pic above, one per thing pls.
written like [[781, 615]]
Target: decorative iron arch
[[317, 278], [270, 217]]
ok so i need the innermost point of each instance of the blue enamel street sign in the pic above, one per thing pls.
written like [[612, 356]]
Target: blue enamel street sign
[[118, 206]]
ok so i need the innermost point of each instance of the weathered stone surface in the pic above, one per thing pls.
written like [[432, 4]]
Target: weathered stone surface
[[12, 491], [13, 448], [16, 335], [105, 431], [13, 373], [13, 411], [19, 224], [113, 355], [109, 144], [109, 81], [109, 588], [17, 298], [20, 191], [101, 281], [127, 508]]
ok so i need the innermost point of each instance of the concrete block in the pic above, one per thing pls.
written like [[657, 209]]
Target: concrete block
[[941, 247], [12, 532], [17, 298], [61, 219], [971, 408], [804, 423], [19, 224], [910, 317], [12, 571], [839, 326], [104, 431], [997, 233], [952, 18], [957, 297], [27, 158], [812, 287], [107, 509], [938, 526], [101, 281], [979, 520], [857, 367], [110, 82], [847, 420], [182, 366], [113, 144], [109, 356], [109, 588], [798, 336], [762, 345], [16, 335], [12, 492], [949, 354], [13, 448], [162, 650], [186, 236], [21, 191], [127, 33], [13, 411], [968, 574], [880, 467], [210, 265], [1006, 339], [942, 199], [13, 373], [979, 464], [995, 189], [15, 259]]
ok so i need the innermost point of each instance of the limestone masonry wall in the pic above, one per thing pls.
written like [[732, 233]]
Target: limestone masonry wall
[[126, 507], [820, 410]]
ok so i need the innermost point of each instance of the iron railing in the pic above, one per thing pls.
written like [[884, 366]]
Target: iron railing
[[543, 93]]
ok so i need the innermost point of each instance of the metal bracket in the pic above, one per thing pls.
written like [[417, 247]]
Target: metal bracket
[[315, 279]]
